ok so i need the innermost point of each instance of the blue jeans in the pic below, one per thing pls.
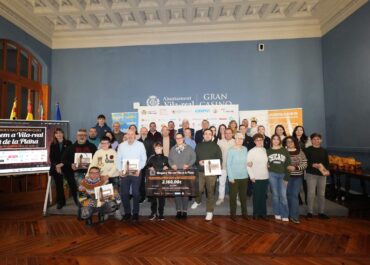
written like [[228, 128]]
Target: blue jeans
[[294, 187], [134, 183], [279, 199]]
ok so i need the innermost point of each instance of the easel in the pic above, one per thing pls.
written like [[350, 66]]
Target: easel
[[48, 194]]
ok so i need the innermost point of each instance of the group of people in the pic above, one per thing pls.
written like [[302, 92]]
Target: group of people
[[250, 161]]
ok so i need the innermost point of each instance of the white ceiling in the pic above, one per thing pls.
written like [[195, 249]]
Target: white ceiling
[[102, 23]]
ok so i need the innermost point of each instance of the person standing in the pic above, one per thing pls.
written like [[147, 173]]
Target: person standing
[[153, 134], [166, 141], [316, 173], [158, 161], [148, 144], [279, 161], [304, 142], [199, 133], [238, 175], [299, 163], [184, 125], [225, 144], [206, 150], [259, 176], [101, 127], [105, 160], [93, 137], [188, 140], [181, 157], [131, 149], [117, 133], [280, 131], [57, 149], [171, 128], [266, 140], [73, 172]]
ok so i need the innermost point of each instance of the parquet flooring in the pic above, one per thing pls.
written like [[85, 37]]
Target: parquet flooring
[[28, 238]]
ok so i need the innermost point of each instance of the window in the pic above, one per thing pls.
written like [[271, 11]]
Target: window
[[20, 79]]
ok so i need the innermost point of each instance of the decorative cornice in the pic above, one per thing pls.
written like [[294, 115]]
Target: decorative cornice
[[341, 16], [26, 25], [252, 21], [190, 34]]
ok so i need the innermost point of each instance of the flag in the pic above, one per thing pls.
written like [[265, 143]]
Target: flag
[[13, 114], [29, 111], [58, 116], [41, 109]]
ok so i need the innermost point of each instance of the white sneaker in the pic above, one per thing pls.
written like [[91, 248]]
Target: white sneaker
[[277, 217], [219, 202], [285, 219], [209, 216], [194, 205], [118, 215]]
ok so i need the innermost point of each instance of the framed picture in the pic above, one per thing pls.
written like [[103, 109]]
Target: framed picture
[[82, 160], [130, 166], [212, 167], [103, 193]]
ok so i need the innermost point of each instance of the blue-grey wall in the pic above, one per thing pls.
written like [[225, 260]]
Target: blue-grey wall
[[41, 51], [87, 82], [346, 64]]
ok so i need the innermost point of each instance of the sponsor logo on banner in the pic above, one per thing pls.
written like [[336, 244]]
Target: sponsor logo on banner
[[205, 99], [152, 101]]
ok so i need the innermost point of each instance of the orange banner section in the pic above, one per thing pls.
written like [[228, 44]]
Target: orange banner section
[[289, 118]]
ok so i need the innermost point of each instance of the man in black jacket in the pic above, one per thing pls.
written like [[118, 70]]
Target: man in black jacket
[[148, 144], [72, 170], [199, 133]]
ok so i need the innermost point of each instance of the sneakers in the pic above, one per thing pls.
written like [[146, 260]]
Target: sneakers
[[323, 216], [152, 217], [285, 219], [277, 217], [118, 215], [195, 205], [219, 202], [296, 221], [161, 217], [209, 216]]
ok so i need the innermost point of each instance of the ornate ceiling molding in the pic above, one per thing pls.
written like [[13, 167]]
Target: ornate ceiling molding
[[103, 23]]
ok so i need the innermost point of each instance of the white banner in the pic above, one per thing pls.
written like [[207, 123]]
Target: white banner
[[161, 115]]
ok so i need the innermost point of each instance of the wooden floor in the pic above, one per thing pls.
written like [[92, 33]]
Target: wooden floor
[[28, 238]]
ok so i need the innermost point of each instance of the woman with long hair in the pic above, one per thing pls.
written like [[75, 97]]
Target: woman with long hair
[[57, 149], [280, 131], [221, 132], [298, 166], [279, 166], [233, 126]]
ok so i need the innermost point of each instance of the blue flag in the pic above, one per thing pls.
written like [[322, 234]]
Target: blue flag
[[58, 116]]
